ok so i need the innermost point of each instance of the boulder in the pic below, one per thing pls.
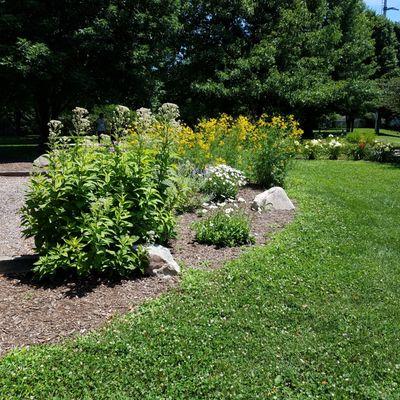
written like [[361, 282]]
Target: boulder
[[41, 162], [161, 262], [274, 198]]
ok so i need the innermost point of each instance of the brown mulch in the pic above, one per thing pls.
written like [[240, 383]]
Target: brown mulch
[[32, 312], [194, 255]]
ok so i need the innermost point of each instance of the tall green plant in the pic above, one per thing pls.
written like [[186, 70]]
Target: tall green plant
[[97, 204]]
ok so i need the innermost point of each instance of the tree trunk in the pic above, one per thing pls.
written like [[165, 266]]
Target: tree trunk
[[308, 125], [378, 121], [349, 123], [43, 116], [17, 122]]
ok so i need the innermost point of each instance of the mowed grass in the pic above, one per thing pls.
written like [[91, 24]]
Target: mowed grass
[[315, 314], [386, 135]]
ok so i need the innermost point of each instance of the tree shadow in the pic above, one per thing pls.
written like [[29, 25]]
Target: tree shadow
[[21, 274]]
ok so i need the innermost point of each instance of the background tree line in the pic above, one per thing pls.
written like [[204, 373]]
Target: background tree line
[[306, 57]]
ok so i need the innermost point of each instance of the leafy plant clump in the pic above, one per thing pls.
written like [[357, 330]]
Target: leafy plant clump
[[224, 229], [98, 203], [223, 182], [273, 155]]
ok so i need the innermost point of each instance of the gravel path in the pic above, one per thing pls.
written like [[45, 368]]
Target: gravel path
[[20, 166], [12, 191]]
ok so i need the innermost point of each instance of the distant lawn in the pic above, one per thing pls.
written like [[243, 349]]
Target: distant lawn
[[315, 314], [386, 135]]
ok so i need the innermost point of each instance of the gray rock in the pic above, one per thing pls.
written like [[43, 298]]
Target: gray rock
[[41, 162], [161, 262], [274, 198]]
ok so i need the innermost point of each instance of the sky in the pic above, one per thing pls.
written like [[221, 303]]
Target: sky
[[377, 5]]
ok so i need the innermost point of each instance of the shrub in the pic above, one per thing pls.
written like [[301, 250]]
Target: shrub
[[226, 140], [224, 228], [190, 189], [223, 182], [361, 137], [97, 204], [380, 152], [272, 156], [312, 149]]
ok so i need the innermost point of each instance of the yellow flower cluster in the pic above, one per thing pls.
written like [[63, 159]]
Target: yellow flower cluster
[[231, 140], [223, 140]]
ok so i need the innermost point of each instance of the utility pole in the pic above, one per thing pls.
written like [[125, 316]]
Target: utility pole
[[386, 8]]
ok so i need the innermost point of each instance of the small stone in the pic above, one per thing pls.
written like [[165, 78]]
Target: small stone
[[161, 262], [274, 198]]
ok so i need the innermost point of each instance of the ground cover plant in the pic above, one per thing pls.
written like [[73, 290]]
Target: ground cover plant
[[315, 314], [227, 227]]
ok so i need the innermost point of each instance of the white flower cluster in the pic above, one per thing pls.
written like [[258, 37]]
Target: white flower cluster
[[316, 142], [121, 120], [145, 118], [166, 113], [313, 143], [229, 206], [226, 173], [80, 120], [334, 143], [223, 181], [55, 128], [381, 146], [169, 112]]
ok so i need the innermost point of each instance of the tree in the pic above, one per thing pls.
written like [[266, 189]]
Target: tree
[[58, 53], [386, 50], [259, 56]]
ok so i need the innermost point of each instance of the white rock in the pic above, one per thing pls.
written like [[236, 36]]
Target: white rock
[[42, 161], [161, 262], [274, 198]]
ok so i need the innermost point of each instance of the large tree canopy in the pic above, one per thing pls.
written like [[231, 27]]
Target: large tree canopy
[[55, 54], [306, 57]]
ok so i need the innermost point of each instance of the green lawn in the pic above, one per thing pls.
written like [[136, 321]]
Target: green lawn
[[315, 314], [386, 135]]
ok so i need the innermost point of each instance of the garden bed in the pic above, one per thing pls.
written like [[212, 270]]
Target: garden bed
[[32, 312]]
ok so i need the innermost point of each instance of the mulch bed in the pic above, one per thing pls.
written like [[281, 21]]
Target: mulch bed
[[194, 255], [33, 312]]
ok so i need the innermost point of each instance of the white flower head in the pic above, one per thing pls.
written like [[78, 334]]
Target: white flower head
[[55, 128], [145, 118], [169, 112], [80, 120], [121, 119]]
